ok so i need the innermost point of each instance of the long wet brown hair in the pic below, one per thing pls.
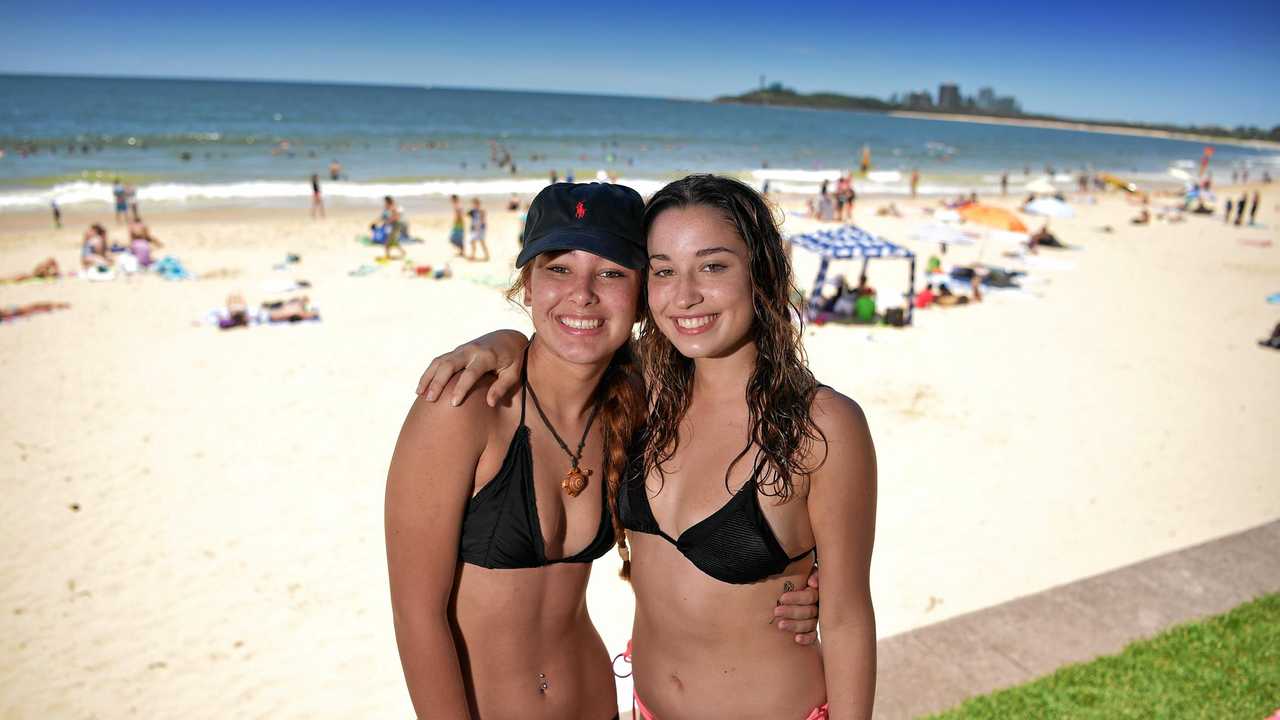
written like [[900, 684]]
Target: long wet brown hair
[[781, 387], [622, 409]]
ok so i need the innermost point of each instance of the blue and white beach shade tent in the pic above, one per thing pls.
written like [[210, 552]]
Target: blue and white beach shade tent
[[1049, 207], [850, 242]]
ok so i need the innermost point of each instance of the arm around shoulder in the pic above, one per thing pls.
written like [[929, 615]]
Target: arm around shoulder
[[428, 485]]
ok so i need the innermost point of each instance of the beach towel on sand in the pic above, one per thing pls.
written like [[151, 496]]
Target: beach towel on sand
[[171, 268]]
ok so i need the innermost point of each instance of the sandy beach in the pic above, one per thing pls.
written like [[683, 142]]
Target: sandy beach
[[193, 517]]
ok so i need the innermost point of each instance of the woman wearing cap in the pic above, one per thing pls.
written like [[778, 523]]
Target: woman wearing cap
[[494, 514], [748, 469]]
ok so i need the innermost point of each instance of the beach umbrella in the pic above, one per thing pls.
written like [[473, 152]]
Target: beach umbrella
[[1049, 207], [992, 217], [1041, 185], [936, 232]]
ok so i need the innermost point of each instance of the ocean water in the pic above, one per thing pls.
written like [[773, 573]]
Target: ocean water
[[66, 138]]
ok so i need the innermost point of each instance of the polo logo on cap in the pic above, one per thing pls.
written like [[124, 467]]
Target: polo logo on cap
[[580, 211]]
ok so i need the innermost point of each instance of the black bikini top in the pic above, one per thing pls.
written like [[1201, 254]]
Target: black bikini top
[[501, 530], [734, 544]]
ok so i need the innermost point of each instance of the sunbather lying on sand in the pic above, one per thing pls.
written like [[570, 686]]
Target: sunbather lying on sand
[[47, 268], [1043, 238], [291, 310], [17, 311]]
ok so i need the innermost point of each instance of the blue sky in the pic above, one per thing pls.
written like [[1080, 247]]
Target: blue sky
[[1174, 61]]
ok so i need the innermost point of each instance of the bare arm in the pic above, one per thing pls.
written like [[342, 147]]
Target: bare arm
[[501, 352], [842, 510], [428, 485]]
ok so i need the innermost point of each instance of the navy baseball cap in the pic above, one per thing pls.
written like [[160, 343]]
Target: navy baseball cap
[[600, 218]]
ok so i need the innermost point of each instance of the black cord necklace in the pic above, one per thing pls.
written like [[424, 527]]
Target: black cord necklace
[[575, 481]]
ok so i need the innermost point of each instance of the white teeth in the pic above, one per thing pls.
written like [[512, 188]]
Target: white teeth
[[580, 324], [692, 323]]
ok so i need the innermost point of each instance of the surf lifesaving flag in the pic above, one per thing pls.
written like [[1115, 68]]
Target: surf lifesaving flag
[[1204, 160]]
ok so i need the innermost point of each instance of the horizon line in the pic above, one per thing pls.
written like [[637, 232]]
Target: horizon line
[[1028, 115], [338, 83]]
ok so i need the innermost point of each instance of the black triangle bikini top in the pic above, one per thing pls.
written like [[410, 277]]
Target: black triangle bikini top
[[501, 529], [734, 544]]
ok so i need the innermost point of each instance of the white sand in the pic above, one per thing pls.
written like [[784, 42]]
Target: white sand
[[226, 559]]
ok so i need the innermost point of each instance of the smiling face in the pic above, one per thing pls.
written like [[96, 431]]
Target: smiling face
[[583, 306], [699, 282]]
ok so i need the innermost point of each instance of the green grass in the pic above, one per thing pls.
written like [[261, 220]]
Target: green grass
[[1225, 667]]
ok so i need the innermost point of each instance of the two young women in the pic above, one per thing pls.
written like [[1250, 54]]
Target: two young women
[[744, 470]]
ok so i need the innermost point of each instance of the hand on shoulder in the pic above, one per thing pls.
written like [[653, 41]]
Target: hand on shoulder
[[466, 422]]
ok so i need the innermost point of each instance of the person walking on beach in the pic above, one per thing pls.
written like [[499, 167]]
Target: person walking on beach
[[391, 219], [865, 164], [842, 196], [1253, 208], [317, 203], [57, 213], [492, 521], [1240, 207], [915, 182], [478, 223], [1004, 183], [1226, 217], [122, 203], [458, 228]]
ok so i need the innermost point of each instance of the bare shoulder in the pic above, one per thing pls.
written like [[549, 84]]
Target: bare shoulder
[[844, 447], [837, 415], [439, 421]]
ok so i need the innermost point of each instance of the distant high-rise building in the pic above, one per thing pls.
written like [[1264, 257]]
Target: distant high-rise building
[[1006, 106], [949, 96], [919, 100], [986, 99]]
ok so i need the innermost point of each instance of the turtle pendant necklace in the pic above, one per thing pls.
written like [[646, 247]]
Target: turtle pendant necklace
[[575, 481]]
